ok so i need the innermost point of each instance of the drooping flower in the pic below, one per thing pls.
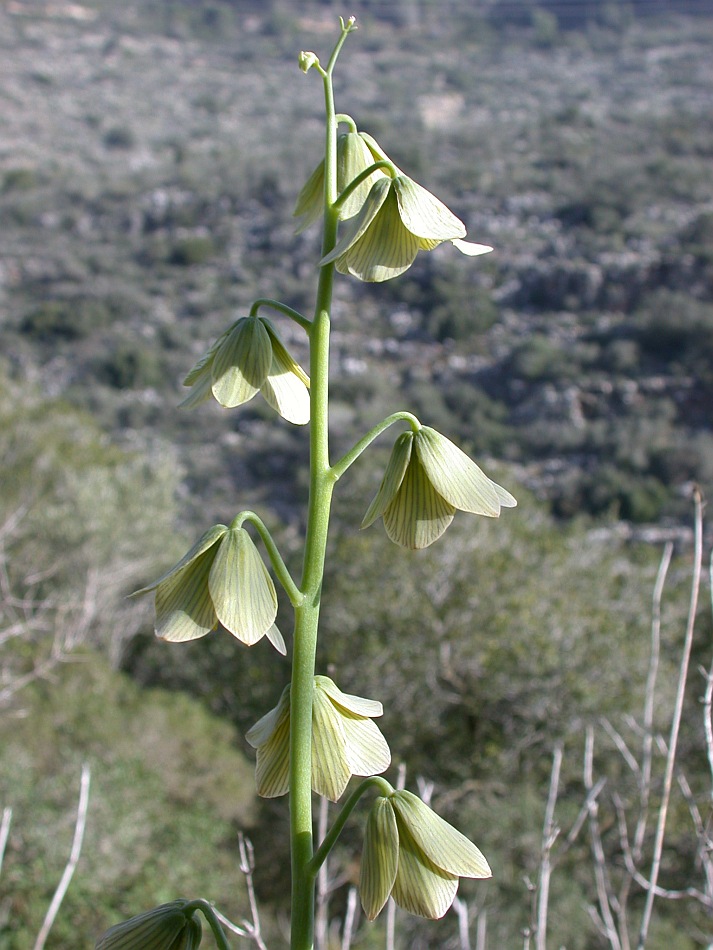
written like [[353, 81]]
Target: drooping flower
[[221, 580], [427, 478], [345, 742], [164, 928], [414, 856], [356, 151], [398, 219], [249, 358]]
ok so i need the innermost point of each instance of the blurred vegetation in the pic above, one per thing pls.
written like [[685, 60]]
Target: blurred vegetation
[[153, 155]]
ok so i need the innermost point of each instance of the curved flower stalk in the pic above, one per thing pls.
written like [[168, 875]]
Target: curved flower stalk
[[356, 151], [426, 479], [248, 358], [414, 856], [221, 580], [166, 927], [345, 742], [398, 219]]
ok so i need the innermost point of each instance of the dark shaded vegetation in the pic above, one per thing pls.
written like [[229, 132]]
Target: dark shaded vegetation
[[152, 157]]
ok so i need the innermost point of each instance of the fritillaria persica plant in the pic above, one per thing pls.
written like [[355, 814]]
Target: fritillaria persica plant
[[375, 221]]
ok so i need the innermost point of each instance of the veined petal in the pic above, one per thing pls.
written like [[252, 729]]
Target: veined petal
[[470, 249], [423, 214], [418, 515], [379, 155], [379, 858], [242, 590], [330, 769], [286, 388], [184, 609], [354, 704], [357, 225], [421, 887], [367, 750], [393, 477], [206, 541], [276, 639], [310, 201], [272, 768], [265, 727], [385, 250], [241, 363], [157, 929], [457, 478], [353, 157], [440, 842], [199, 369], [201, 391]]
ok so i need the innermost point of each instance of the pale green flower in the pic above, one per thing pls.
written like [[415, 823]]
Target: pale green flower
[[345, 742], [356, 151], [221, 580], [427, 478], [398, 219], [249, 358], [163, 928], [414, 856]]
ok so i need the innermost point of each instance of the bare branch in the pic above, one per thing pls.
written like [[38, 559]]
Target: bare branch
[[4, 832], [549, 836], [350, 918], [71, 865]]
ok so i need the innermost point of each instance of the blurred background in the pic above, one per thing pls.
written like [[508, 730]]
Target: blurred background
[[150, 156]]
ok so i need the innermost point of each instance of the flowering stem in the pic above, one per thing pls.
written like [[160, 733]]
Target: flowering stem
[[320, 855], [207, 910], [295, 315], [320, 496], [340, 467], [278, 565]]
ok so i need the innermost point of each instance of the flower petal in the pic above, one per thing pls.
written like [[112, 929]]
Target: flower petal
[[241, 363], [184, 609], [423, 214], [385, 250], [457, 478], [379, 858], [276, 639], [242, 590], [470, 249], [418, 515], [367, 750], [310, 201], [353, 157], [286, 388], [206, 541], [421, 887], [441, 843], [393, 477], [357, 225], [354, 704], [330, 769], [157, 929], [272, 768]]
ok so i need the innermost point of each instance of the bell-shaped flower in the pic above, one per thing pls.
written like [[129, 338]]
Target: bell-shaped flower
[[345, 742], [164, 928], [356, 151], [221, 580], [427, 478], [249, 358], [398, 219], [414, 856]]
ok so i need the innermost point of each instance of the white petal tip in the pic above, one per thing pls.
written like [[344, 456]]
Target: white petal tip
[[470, 249]]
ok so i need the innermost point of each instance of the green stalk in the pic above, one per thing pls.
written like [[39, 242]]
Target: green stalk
[[307, 613]]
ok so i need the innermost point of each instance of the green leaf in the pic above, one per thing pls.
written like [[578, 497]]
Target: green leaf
[[242, 590], [457, 478], [379, 858], [447, 848]]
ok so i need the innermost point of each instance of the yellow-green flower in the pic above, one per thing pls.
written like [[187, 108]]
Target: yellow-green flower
[[427, 478], [249, 358], [356, 151], [398, 219], [414, 856], [345, 742], [164, 928], [221, 580]]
